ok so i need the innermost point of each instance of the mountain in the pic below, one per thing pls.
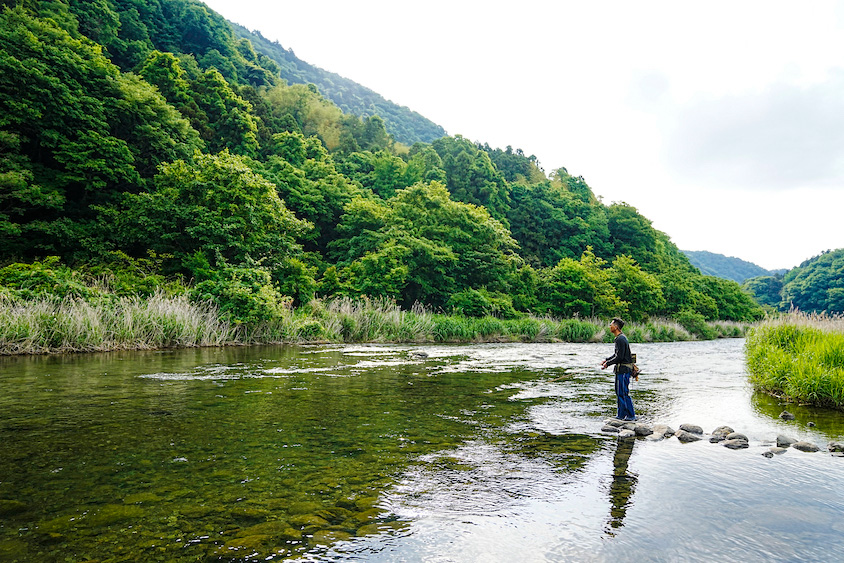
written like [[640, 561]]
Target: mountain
[[726, 267], [404, 124]]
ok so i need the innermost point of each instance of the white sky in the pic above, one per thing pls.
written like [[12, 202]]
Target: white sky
[[722, 122]]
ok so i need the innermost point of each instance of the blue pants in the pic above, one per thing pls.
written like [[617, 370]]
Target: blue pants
[[622, 393]]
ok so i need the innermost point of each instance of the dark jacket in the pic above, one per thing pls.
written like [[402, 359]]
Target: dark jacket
[[622, 355]]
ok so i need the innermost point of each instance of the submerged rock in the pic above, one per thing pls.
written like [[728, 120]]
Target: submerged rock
[[778, 451], [693, 428], [836, 446], [686, 436], [805, 446], [735, 444], [784, 441], [768, 454], [8, 507], [785, 415]]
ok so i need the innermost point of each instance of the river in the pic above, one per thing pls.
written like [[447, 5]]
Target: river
[[435, 453]]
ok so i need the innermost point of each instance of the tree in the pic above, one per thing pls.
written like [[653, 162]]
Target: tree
[[638, 288]]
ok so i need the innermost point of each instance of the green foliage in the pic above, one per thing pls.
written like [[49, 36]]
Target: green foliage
[[638, 288], [766, 290], [802, 362], [580, 288], [817, 284], [245, 295], [216, 205], [44, 278], [481, 303], [695, 323]]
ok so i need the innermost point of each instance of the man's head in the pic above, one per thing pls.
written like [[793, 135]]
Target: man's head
[[616, 325]]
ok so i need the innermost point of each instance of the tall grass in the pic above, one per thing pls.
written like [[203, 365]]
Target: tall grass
[[800, 357], [49, 324]]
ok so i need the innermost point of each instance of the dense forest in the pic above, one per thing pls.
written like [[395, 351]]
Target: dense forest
[[815, 286], [149, 147]]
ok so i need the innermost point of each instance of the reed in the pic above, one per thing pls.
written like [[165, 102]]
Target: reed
[[799, 356], [49, 324]]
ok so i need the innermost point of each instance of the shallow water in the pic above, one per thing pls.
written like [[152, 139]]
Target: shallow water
[[371, 453]]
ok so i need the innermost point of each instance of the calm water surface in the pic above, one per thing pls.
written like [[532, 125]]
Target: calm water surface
[[373, 453]]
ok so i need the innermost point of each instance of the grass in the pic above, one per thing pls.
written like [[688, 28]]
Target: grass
[[800, 357], [53, 325]]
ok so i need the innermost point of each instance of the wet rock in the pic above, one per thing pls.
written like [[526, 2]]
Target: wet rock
[[686, 436], [244, 547], [112, 513], [663, 429], [335, 514], [142, 498], [736, 436], [784, 441], [836, 446], [692, 428], [720, 434], [778, 451], [327, 537], [627, 433], [381, 527], [810, 424], [309, 507], [837, 454], [275, 529], [805, 446], [308, 521], [609, 428], [735, 444], [9, 507], [643, 430], [785, 415], [629, 426], [617, 422], [768, 454]]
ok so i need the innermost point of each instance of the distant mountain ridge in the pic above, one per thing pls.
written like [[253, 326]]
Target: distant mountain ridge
[[404, 124], [726, 267]]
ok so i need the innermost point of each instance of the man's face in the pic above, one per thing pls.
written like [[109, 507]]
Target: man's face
[[614, 329]]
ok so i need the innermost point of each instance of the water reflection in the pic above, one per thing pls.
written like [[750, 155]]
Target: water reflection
[[623, 485]]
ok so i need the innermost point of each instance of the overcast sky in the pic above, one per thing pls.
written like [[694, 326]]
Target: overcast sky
[[722, 122]]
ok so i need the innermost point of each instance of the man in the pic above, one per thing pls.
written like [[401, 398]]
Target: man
[[622, 359]]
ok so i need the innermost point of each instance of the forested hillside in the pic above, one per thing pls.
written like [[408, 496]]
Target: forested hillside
[[147, 147], [405, 125], [727, 267], [816, 285]]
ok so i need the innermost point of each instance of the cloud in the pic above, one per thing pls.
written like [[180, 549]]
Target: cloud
[[785, 136]]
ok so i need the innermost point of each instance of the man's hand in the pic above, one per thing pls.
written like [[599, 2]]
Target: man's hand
[[604, 364]]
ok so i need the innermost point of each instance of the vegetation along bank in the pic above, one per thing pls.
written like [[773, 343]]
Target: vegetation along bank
[[799, 357]]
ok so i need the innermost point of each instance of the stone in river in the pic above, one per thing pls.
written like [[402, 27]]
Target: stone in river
[[663, 429], [778, 451], [768, 454], [614, 422], [693, 428], [626, 434], [785, 415], [836, 446], [643, 430], [686, 436], [720, 434], [735, 444], [784, 441], [736, 436], [609, 428], [805, 447]]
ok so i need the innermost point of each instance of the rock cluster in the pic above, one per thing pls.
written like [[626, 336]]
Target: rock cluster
[[723, 435]]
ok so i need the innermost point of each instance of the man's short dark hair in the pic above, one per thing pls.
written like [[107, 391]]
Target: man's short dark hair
[[618, 322]]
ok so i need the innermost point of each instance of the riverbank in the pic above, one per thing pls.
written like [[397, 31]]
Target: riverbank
[[50, 325], [799, 357]]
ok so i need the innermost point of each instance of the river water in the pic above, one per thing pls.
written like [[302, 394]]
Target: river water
[[389, 453]]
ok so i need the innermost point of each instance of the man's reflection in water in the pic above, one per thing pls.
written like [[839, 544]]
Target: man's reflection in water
[[623, 484]]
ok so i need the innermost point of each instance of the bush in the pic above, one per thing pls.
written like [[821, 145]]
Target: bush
[[696, 324], [47, 277], [246, 295]]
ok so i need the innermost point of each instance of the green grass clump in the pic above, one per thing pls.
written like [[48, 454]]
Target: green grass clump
[[800, 357]]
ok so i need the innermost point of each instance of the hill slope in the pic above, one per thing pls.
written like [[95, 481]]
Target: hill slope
[[404, 124], [727, 267]]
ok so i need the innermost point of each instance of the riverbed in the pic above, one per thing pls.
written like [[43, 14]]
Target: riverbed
[[488, 452]]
